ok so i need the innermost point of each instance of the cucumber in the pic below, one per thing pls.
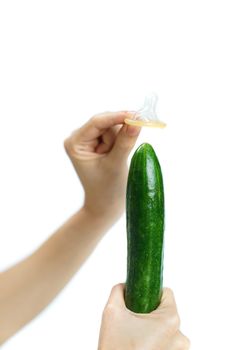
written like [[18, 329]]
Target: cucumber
[[145, 231]]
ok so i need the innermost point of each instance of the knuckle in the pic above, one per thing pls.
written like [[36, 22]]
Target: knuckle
[[67, 144], [184, 343], [95, 118], [173, 322], [70, 147], [176, 321], [187, 343]]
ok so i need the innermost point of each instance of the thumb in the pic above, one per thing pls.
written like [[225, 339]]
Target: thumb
[[116, 297], [124, 142]]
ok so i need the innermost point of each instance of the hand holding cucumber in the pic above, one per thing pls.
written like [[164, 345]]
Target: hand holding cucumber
[[124, 329], [99, 151]]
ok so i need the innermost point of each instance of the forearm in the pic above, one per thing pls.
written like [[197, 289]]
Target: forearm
[[28, 287]]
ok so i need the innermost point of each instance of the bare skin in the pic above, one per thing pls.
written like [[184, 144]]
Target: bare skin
[[157, 330], [99, 147]]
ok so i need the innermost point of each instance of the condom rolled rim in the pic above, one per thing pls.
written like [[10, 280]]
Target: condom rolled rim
[[151, 124]]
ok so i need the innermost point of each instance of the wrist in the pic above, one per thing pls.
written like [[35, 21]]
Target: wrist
[[106, 217]]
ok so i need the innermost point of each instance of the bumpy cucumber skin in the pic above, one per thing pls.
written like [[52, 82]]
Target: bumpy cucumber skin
[[145, 231]]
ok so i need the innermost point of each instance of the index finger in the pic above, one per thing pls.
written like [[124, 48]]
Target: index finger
[[116, 296], [99, 123]]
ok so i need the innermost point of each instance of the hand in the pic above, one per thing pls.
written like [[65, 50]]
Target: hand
[[99, 151], [124, 329]]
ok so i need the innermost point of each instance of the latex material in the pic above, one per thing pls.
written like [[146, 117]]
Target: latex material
[[146, 116]]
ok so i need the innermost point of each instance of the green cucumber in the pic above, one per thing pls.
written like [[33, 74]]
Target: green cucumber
[[145, 231]]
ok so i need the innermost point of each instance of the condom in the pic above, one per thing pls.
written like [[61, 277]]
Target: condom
[[146, 116]]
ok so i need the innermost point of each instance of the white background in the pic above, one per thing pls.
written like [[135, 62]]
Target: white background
[[63, 61]]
